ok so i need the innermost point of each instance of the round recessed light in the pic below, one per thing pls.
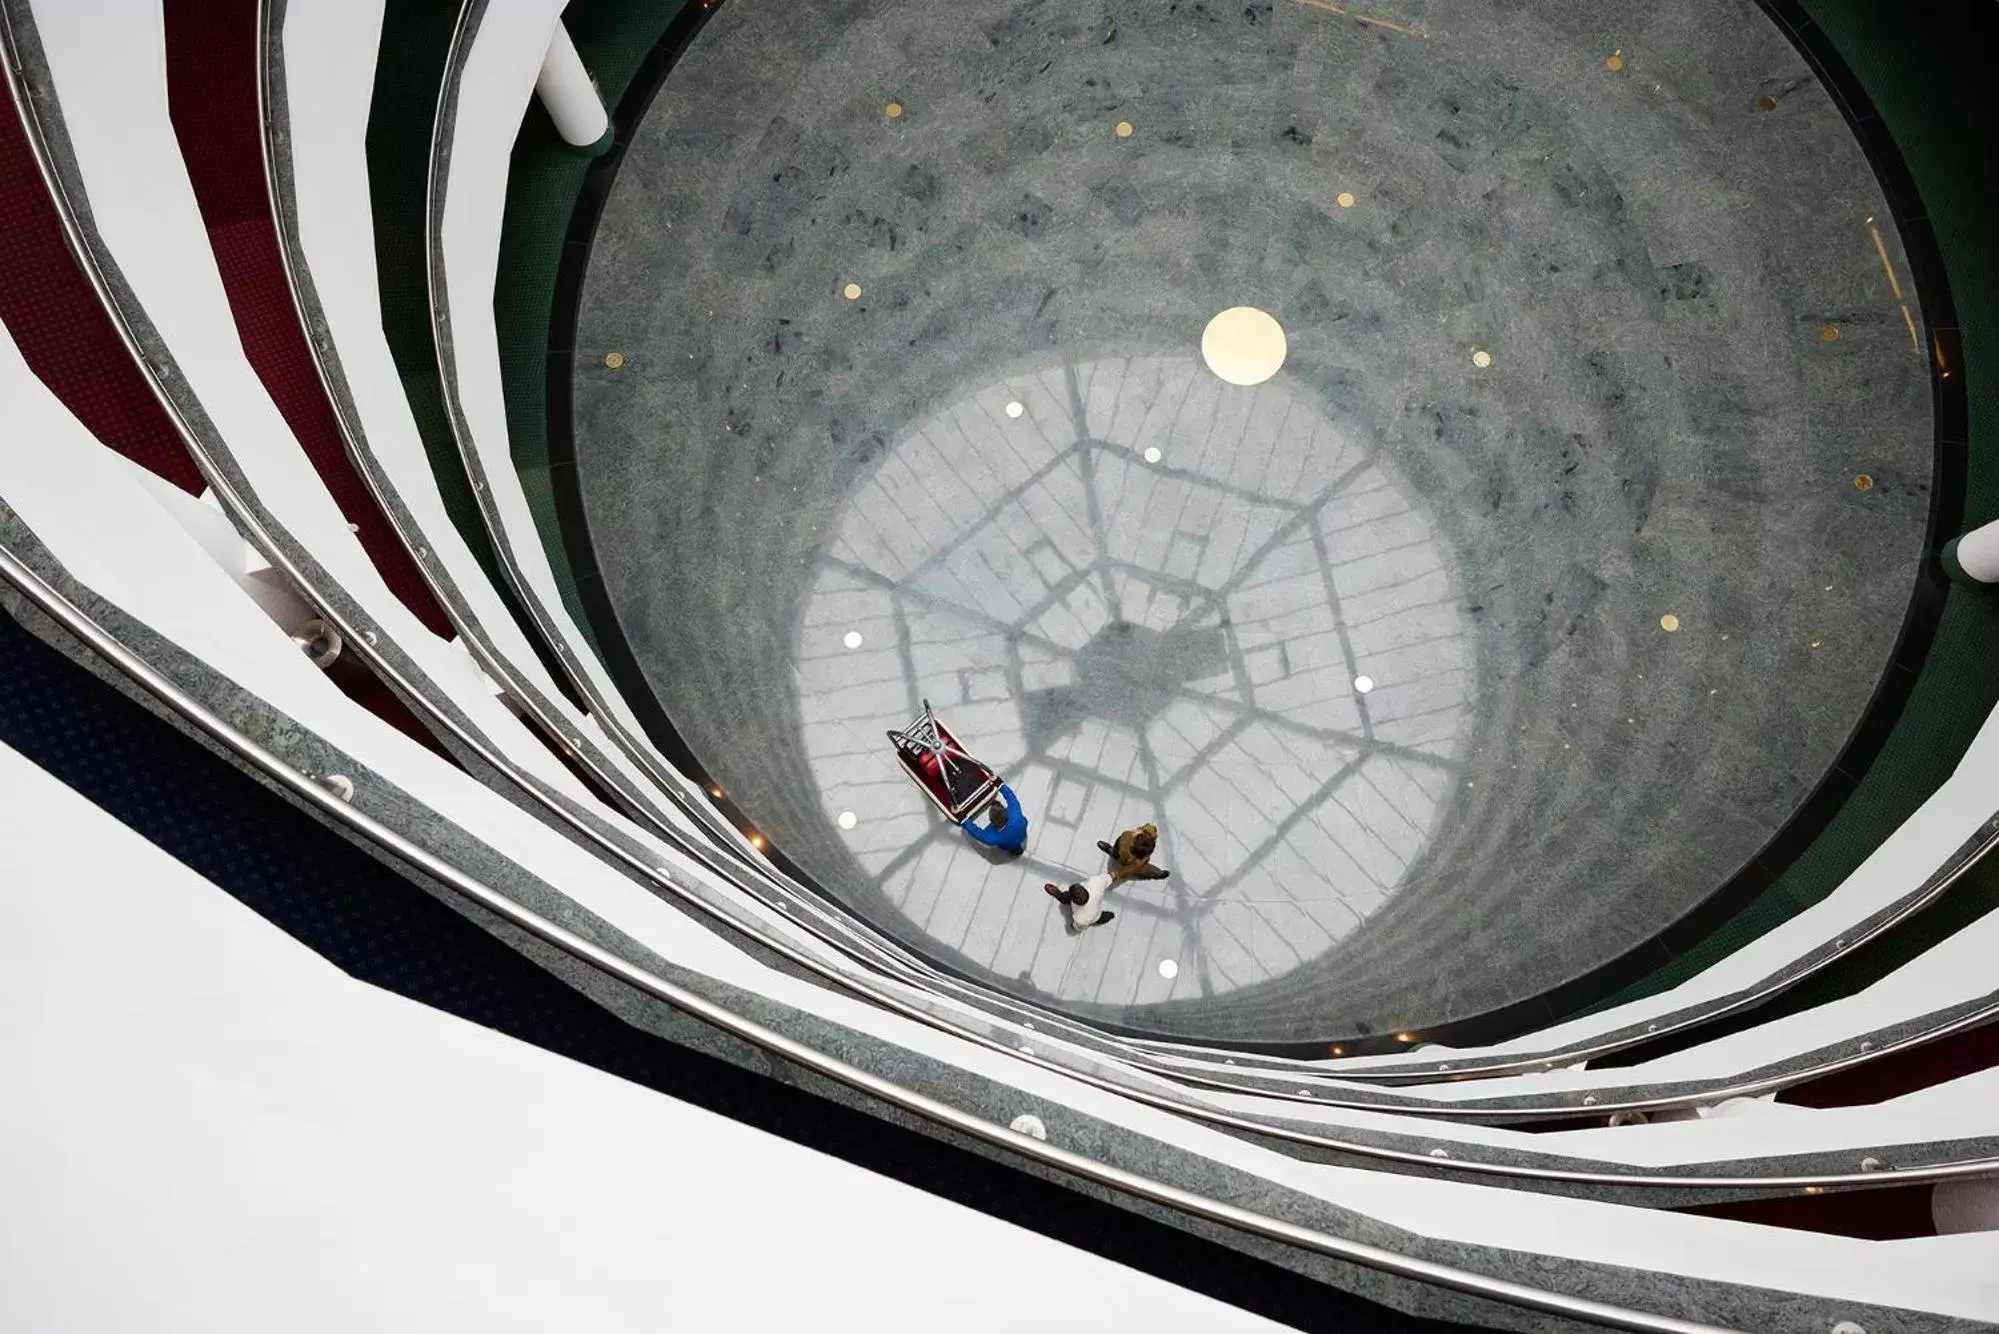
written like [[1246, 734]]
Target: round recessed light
[[614, 359], [1614, 61], [848, 819], [1152, 454], [893, 111], [1169, 969], [1244, 345], [1015, 408], [1123, 129], [853, 639], [1669, 622], [1363, 684], [1344, 199], [852, 291], [1481, 358]]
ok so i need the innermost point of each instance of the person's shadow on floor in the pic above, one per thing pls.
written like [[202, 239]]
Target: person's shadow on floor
[[995, 856]]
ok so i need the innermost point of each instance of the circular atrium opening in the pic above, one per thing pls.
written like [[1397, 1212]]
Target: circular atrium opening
[[1481, 593]]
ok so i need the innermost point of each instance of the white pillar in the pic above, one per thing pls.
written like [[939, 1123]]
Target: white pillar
[[1975, 556], [206, 523], [568, 93], [1965, 1206]]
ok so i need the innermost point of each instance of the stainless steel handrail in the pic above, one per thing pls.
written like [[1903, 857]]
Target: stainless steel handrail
[[566, 653], [108, 645], [1455, 1069], [1485, 1068], [1440, 1111], [472, 634], [332, 807], [361, 638], [466, 622]]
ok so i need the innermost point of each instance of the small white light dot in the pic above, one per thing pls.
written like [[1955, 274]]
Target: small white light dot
[[853, 639], [848, 819], [1363, 684], [1152, 454], [1168, 968], [1015, 408]]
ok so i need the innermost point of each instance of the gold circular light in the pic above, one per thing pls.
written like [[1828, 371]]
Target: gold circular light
[[1481, 358], [614, 359], [852, 291], [1829, 334], [1345, 199], [1244, 345], [1614, 61], [893, 111], [1123, 129], [1669, 622], [1766, 103], [1863, 483]]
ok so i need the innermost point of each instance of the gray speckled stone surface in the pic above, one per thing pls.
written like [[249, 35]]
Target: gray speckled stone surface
[[1542, 777]]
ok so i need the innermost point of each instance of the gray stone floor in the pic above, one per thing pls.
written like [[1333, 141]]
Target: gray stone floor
[[1002, 479]]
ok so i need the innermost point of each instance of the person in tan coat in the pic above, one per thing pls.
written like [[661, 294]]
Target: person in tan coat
[[1131, 855]]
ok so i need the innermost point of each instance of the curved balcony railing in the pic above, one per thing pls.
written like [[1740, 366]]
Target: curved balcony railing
[[764, 928]]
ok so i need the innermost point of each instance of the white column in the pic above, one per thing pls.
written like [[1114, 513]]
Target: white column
[[568, 93], [1975, 556], [206, 523], [1965, 1206]]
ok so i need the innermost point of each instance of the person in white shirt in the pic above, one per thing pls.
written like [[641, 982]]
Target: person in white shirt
[[1085, 900]]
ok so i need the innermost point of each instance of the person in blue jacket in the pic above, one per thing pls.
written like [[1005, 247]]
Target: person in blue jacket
[[1004, 825]]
